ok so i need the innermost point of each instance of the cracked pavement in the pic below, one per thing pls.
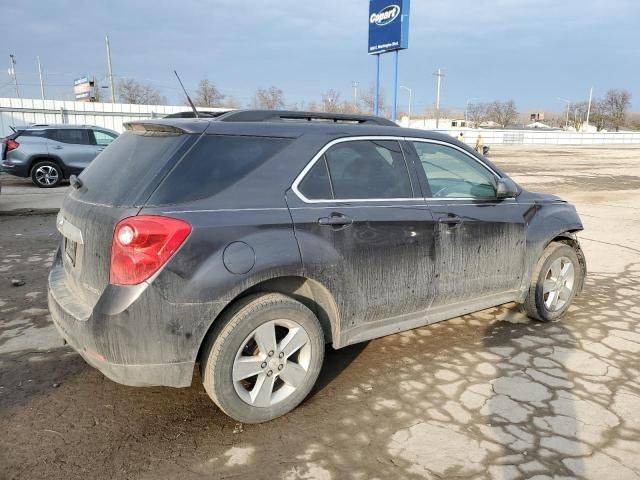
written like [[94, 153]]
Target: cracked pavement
[[489, 395]]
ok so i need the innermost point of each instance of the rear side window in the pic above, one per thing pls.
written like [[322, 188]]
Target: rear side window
[[72, 135], [214, 164], [361, 169], [316, 185]]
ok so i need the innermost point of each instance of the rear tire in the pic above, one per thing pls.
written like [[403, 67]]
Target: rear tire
[[554, 283], [262, 358], [46, 174]]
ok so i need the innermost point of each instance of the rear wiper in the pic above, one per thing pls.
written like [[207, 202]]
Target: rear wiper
[[76, 182]]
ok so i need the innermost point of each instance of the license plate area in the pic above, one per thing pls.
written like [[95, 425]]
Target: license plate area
[[70, 250]]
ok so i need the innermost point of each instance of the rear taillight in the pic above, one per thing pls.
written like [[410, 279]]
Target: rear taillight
[[11, 145], [142, 245]]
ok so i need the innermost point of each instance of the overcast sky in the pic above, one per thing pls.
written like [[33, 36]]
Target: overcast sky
[[530, 50]]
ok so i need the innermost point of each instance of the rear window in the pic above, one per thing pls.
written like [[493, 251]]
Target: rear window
[[214, 164], [128, 170]]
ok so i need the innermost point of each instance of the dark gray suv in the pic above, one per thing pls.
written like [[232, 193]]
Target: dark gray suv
[[50, 153], [246, 243]]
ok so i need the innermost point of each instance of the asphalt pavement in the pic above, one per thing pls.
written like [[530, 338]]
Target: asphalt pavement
[[20, 195]]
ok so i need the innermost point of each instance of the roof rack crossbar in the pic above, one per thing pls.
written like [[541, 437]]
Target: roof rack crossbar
[[288, 115]]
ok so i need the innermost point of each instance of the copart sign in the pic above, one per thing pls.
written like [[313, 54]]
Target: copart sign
[[388, 25]]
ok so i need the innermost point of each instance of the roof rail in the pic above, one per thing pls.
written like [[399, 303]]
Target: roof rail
[[295, 116], [190, 114]]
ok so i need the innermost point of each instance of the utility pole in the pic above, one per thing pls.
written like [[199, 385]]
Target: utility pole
[[355, 93], [40, 74], [466, 109], [12, 72], [438, 74], [410, 100], [113, 90], [589, 105]]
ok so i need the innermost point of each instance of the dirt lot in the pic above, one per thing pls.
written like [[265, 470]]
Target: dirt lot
[[488, 395]]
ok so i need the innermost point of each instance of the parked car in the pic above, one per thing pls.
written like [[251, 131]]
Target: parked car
[[50, 153], [244, 244]]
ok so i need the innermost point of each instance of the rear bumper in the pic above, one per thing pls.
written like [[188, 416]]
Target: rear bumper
[[137, 375], [19, 170], [132, 335]]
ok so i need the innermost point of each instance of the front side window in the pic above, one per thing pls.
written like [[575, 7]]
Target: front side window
[[103, 138], [454, 174], [72, 135], [359, 169]]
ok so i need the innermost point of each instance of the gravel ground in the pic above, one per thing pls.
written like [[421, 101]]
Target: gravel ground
[[488, 395]]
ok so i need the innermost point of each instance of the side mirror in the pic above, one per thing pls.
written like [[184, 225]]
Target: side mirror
[[506, 188]]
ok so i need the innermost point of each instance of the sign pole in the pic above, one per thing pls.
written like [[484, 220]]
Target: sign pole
[[113, 90], [388, 32], [40, 74], [376, 93], [394, 111]]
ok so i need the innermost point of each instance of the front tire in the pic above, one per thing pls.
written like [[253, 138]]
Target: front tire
[[555, 282], [263, 357], [46, 174]]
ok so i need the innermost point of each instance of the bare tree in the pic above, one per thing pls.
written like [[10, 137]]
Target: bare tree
[[132, 91], [208, 95], [477, 113], [503, 113], [367, 100], [331, 101], [231, 102], [271, 98], [577, 115], [598, 115], [350, 107], [616, 103]]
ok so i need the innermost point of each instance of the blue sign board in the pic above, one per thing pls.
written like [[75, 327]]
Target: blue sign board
[[388, 25]]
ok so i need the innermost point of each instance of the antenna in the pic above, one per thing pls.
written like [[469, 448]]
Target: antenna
[[193, 107]]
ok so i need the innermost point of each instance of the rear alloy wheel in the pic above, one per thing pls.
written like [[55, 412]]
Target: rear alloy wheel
[[555, 282], [263, 358], [46, 174]]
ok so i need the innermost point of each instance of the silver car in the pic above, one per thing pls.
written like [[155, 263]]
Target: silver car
[[50, 153]]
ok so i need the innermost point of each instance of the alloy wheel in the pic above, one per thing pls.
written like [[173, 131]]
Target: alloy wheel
[[46, 175], [272, 363], [558, 284]]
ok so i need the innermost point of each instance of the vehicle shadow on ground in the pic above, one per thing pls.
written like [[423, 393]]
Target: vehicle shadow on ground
[[478, 396]]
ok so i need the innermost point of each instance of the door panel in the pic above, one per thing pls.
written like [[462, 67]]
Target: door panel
[[74, 147], [370, 242], [378, 263], [480, 248], [480, 240]]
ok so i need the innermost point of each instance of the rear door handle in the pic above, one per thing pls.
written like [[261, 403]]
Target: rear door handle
[[451, 220], [337, 220], [58, 147]]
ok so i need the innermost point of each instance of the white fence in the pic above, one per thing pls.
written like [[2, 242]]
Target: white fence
[[16, 111], [544, 137]]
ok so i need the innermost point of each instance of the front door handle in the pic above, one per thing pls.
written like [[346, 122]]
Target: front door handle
[[450, 220], [57, 147], [335, 220]]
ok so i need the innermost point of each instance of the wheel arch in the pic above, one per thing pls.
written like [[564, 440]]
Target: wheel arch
[[309, 292], [570, 238]]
